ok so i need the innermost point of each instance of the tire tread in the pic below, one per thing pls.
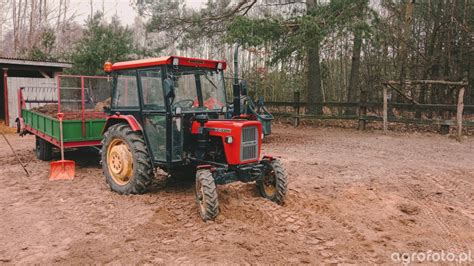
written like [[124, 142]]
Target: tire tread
[[210, 195], [143, 172]]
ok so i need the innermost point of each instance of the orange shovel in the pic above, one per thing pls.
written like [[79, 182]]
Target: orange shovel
[[63, 169]]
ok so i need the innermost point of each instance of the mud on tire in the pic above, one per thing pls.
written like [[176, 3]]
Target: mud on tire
[[274, 185], [141, 172], [44, 149], [206, 195]]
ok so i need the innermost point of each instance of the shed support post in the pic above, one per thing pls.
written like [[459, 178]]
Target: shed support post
[[5, 96]]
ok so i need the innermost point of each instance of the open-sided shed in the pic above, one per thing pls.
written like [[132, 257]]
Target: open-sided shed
[[21, 73]]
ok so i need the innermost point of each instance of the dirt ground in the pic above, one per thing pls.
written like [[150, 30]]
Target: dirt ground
[[353, 197]]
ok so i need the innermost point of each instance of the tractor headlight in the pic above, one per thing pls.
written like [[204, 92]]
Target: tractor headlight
[[175, 61], [229, 139]]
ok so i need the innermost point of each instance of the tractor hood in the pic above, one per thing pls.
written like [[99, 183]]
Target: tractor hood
[[245, 135]]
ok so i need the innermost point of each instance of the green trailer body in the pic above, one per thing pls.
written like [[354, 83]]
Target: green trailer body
[[48, 128]]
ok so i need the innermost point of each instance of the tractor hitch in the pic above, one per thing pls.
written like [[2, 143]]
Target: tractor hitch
[[242, 173]]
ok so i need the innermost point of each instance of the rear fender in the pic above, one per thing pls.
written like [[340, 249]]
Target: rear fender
[[117, 119]]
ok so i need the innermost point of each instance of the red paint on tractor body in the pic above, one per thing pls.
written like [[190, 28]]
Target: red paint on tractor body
[[117, 118], [224, 128]]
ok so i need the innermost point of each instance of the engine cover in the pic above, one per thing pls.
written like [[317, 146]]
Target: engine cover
[[246, 138]]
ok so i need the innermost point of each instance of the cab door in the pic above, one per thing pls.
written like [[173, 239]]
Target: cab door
[[154, 113]]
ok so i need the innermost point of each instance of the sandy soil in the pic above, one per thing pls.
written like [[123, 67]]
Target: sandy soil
[[353, 197]]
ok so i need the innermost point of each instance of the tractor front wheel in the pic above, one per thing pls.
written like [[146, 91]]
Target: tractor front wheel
[[274, 183], [125, 160], [206, 195], [44, 149]]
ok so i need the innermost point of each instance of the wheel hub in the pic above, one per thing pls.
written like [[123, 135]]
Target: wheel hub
[[120, 162], [269, 183]]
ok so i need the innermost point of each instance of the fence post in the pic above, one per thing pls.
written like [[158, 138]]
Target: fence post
[[362, 110], [385, 110], [296, 100], [459, 113]]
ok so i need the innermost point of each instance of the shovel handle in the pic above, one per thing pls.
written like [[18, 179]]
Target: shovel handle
[[60, 118]]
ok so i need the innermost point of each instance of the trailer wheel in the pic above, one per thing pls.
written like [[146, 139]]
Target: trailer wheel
[[206, 195], [274, 184], [18, 126], [44, 149], [125, 160]]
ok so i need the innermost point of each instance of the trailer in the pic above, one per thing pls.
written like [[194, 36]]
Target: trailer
[[80, 98]]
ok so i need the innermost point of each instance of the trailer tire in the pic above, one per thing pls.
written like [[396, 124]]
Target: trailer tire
[[44, 149], [206, 195], [274, 185], [18, 126], [125, 161]]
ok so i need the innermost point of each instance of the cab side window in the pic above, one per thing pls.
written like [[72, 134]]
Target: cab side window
[[126, 90], [152, 88]]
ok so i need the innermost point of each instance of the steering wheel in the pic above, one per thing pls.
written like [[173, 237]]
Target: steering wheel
[[180, 103]]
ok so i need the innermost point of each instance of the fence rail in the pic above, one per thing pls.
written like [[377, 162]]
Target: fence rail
[[400, 106], [363, 106]]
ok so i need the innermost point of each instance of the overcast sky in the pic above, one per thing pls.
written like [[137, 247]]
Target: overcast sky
[[120, 7]]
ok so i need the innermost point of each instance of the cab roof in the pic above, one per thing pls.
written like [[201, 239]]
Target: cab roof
[[168, 60]]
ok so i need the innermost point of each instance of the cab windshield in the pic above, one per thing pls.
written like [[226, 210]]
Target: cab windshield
[[198, 89]]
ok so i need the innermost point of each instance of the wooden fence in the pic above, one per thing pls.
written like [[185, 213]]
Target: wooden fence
[[296, 108]]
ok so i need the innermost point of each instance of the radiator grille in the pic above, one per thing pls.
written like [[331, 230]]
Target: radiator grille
[[249, 145]]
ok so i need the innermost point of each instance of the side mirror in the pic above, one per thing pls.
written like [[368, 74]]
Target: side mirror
[[169, 90]]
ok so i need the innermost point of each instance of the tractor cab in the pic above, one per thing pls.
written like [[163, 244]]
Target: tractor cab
[[163, 95], [169, 113]]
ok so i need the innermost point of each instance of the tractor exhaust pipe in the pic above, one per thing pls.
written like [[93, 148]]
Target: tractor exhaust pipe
[[236, 86]]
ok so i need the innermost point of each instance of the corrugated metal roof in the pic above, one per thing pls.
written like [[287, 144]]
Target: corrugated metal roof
[[32, 62]]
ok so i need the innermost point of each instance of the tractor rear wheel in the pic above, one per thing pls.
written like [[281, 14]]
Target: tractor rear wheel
[[44, 149], [206, 195], [274, 184], [125, 160]]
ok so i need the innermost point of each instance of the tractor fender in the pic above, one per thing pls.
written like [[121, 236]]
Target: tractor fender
[[116, 119], [206, 167], [270, 157]]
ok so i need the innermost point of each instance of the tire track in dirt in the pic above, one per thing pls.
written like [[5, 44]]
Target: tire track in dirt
[[320, 210], [457, 190], [446, 229], [295, 222], [334, 215]]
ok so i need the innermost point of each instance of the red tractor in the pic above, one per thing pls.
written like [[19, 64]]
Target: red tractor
[[168, 113]]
